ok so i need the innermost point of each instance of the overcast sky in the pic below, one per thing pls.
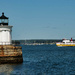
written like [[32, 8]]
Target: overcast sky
[[40, 19]]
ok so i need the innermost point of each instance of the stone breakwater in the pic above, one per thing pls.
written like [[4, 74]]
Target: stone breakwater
[[10, 54]]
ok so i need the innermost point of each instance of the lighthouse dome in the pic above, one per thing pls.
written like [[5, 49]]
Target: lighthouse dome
[[3, 19]]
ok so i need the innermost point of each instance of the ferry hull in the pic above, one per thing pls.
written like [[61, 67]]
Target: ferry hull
[[65, 44]]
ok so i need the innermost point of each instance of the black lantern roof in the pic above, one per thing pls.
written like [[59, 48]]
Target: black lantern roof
[[3, 20], [3, 16]]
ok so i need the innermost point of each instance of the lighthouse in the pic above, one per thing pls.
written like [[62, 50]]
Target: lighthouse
[[9, 53], [5, 31]]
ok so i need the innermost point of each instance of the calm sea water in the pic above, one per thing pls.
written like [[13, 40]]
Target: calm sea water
[[43, 60]]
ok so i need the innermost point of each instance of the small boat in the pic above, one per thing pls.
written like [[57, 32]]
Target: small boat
[[66, 42]]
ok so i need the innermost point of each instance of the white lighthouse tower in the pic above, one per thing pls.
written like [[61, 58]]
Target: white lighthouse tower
[[5, 31]]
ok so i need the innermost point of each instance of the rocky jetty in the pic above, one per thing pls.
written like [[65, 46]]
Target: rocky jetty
[[10, 54]]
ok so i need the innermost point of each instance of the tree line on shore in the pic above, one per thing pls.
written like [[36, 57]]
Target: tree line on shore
[[36, 41]]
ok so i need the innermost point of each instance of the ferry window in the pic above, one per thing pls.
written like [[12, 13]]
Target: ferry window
[[5, 30]]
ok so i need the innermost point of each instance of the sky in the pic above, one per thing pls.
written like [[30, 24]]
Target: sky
[[40, 19]]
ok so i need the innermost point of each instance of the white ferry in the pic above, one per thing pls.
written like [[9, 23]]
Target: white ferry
[[66, 42]]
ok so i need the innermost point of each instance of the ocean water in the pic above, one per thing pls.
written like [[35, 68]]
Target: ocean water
[[43, 60]]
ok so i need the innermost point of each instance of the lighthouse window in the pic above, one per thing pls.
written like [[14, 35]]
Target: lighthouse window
[[5, 20], [2, 20]]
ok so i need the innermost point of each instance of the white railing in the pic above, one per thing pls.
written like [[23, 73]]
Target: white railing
[[66, 43]]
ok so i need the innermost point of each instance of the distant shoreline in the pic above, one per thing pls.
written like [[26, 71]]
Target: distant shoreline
[[36, 41]]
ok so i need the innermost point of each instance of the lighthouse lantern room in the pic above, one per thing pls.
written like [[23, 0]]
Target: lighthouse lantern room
[[5, 31]]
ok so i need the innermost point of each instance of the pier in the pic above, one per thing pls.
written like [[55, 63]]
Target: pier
[[10, 54]]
